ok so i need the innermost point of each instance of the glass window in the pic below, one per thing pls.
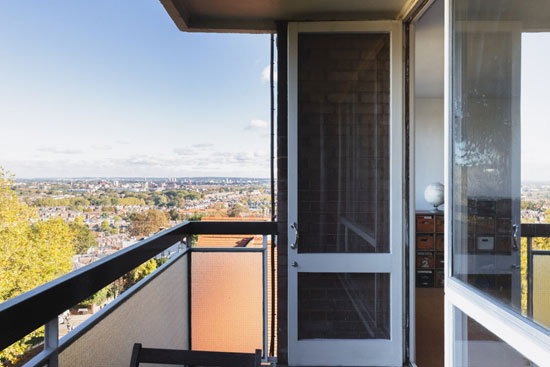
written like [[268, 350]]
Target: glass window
[[476, 346], [499, 145]]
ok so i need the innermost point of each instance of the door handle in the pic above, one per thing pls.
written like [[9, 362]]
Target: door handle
[[294, 245], [516, 239]]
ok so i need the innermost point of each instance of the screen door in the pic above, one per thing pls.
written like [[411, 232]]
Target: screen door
[[345, 194]]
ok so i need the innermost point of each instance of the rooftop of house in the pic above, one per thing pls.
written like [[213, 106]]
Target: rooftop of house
[[212, 240]]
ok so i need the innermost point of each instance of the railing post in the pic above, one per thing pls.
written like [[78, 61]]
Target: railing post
[[264, 266], [189, 245], [530, 277], [51, 342]]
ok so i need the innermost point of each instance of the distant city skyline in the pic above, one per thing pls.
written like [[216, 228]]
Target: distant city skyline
[[114, 89]]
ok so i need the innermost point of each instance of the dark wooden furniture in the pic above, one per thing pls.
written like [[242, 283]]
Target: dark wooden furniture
[[429, 308], [193, 357], [430, 243]]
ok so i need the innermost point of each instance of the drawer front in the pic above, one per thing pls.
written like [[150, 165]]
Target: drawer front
[[439, 261], [424, 260], [424, 242], [440, 224], [425, 278], [425, 224], [440, 242]]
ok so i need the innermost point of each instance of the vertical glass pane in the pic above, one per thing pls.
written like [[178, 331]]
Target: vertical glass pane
[[500, 136], [343, 142], [541, 288], [476, 346], [343, 306]]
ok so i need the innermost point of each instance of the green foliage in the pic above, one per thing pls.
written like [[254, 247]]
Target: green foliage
[[71, 202], [193, 195], [84, 237], [144, 224], [237, 210], [31, 254], [131, 201], [160, 261], [160, 200], [175, 215], [195, 217], [139, 273], [104, 226], [97, 298]]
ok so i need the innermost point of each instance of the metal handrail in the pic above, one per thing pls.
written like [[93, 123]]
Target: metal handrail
[[25, 313]]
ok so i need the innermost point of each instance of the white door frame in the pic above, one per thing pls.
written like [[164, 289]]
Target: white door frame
[[333, 352]]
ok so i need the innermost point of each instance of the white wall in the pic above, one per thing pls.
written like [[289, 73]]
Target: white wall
[[428, 103], [429, 147]]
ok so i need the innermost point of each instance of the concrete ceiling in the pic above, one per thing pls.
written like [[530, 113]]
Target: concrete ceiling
[[429, 53], [261, 15]]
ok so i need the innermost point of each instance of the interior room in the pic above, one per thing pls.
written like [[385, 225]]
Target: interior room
[[427, 148]]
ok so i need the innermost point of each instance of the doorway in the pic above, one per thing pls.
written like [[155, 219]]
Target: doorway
[[427, 168], [344, 192]]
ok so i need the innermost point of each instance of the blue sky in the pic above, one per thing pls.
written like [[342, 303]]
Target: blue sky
[[113, 88]]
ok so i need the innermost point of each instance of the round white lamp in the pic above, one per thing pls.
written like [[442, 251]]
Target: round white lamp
[[435, 194]]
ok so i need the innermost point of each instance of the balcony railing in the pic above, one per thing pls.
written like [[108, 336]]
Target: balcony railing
[[538, 272], [157, 311]]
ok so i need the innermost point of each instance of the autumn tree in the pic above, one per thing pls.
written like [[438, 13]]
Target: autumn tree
[[104, 226], [237, 210], [31, 254], [84, 237], [140, 272], [144, 224]]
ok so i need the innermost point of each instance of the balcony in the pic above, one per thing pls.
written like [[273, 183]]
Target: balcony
[[203, 298]]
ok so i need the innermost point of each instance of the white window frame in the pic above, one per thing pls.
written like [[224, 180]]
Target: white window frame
[[521, 334]]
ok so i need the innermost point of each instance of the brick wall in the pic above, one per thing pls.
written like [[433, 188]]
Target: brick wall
[[282, 185]]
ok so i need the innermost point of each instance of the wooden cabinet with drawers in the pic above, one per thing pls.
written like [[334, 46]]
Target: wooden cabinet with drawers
[[430, 243], [429, 298]]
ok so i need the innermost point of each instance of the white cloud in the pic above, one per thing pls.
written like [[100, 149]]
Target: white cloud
[[257, 125], [266, 76], [55, 150], [101, 147], [185, 151], [202, 145]]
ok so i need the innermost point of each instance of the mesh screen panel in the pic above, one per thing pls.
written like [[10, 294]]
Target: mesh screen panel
[[226, 302], [343, 142], [343, 306], [541, 289], [155, 316]]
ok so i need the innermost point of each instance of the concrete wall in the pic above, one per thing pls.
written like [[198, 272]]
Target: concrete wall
[[429, 147]]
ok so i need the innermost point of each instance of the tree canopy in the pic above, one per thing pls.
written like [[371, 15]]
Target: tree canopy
[[144, 224], [32, 254]]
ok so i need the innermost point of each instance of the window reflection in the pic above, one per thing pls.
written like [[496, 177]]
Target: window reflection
[[476, 346], [501, 176]]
